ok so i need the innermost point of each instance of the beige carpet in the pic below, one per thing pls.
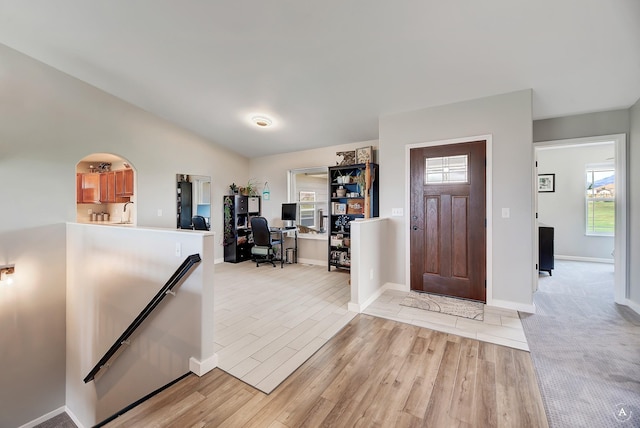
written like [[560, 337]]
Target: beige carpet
[[446, 305]]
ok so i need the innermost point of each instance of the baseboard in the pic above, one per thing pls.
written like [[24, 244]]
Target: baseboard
[[216, 261], [520, 307], [73, 417], [355, 307], [44, 418], [201, 368], [312, 262], [633, 305], [583, 259]]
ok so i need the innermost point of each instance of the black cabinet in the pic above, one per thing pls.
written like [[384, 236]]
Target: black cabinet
[[545, 248], [185, 203], [347, 203], [238, 210]]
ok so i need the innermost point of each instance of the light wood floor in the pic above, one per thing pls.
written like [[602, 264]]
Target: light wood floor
[[374, 372]]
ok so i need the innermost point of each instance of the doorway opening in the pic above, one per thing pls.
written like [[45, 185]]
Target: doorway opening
[[105, 190], [587, 207]]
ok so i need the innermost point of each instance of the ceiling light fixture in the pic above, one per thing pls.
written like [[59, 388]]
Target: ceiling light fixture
[[6, 274], [262, 121]]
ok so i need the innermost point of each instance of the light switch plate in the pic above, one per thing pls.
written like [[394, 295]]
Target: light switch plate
[[397, 212], [506, 213]]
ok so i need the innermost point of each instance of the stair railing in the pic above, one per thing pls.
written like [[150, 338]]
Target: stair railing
[[184, 268]]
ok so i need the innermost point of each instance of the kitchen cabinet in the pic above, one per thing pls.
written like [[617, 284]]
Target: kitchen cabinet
[[238, 240], [108, 188], [348, 204], [88, 188], [124, 182]]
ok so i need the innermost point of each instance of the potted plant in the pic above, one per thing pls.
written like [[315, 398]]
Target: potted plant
[[233, 188]]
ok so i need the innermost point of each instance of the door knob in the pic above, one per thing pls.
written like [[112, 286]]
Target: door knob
[[415, 227]]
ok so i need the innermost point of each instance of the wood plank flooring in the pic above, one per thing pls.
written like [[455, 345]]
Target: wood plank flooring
[[374, 373]]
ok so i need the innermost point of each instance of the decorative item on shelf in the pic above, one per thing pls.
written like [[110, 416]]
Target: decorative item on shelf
[[343, 223], [355, 206], [104, 166], [360, 180], [233, 188], [341, 192], [345, 158], [335, 242], [266, 194], [364, 154], [338, 208], [251, 189], [228, 232]]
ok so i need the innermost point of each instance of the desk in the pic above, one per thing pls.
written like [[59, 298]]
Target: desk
[[282, 232]]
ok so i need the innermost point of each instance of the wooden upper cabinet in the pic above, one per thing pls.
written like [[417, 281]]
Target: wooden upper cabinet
[[78, 188], [104, 187], [90, 188], [124, 183]]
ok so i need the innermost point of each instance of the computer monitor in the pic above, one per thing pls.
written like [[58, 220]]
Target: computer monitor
[[289, 213]]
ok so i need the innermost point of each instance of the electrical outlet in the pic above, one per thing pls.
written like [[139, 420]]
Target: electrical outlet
[[506, 213], [159, 212], [178, 249]]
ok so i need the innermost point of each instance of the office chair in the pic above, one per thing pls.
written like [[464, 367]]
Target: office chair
[[199, 223], [263, 248]]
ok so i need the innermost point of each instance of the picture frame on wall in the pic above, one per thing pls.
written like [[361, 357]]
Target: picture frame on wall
[[364, 154], [546, 183]]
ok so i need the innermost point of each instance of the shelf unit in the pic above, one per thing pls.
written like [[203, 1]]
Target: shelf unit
[[237, 213], [353, 205]]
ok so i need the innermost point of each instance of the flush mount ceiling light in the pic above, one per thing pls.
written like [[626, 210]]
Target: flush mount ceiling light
[[261, 121]]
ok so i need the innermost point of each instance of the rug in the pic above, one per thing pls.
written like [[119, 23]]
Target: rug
[[445, 305]]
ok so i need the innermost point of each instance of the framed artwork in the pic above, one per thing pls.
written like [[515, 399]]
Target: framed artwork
[[345, 158], [546, 183], [339, 209], [364, 155]]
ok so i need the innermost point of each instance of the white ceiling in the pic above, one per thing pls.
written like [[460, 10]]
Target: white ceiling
[[325, 71]]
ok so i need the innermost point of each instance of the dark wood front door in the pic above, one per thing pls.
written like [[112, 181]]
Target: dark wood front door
[[447, 220]]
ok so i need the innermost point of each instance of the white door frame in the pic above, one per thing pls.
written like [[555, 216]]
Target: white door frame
[[620, 238], [488, 206]]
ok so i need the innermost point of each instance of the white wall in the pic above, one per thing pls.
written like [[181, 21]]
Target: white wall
[[368, 238], [564, 209], [508, 119], [113, 272], [634, 207], [274, 169], [48, 122]]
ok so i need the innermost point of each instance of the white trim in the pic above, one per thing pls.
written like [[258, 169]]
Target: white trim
[[620, 238], [73, 417], [488, 138], [355, 307], [633, 306], [53, 414], [583, 259], [314, 262], [200, 368], [520, 307]]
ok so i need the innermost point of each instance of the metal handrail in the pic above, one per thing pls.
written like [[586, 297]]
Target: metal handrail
[[184, 268]]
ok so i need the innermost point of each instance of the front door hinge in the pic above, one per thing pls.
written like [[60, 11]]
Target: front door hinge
[[536, 215], [485, 283]]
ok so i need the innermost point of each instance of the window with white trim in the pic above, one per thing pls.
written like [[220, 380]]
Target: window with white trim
[[600, 199], [308, 187]]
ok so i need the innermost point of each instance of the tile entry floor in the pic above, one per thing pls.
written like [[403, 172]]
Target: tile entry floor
[[268, 321], [500, 326]]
